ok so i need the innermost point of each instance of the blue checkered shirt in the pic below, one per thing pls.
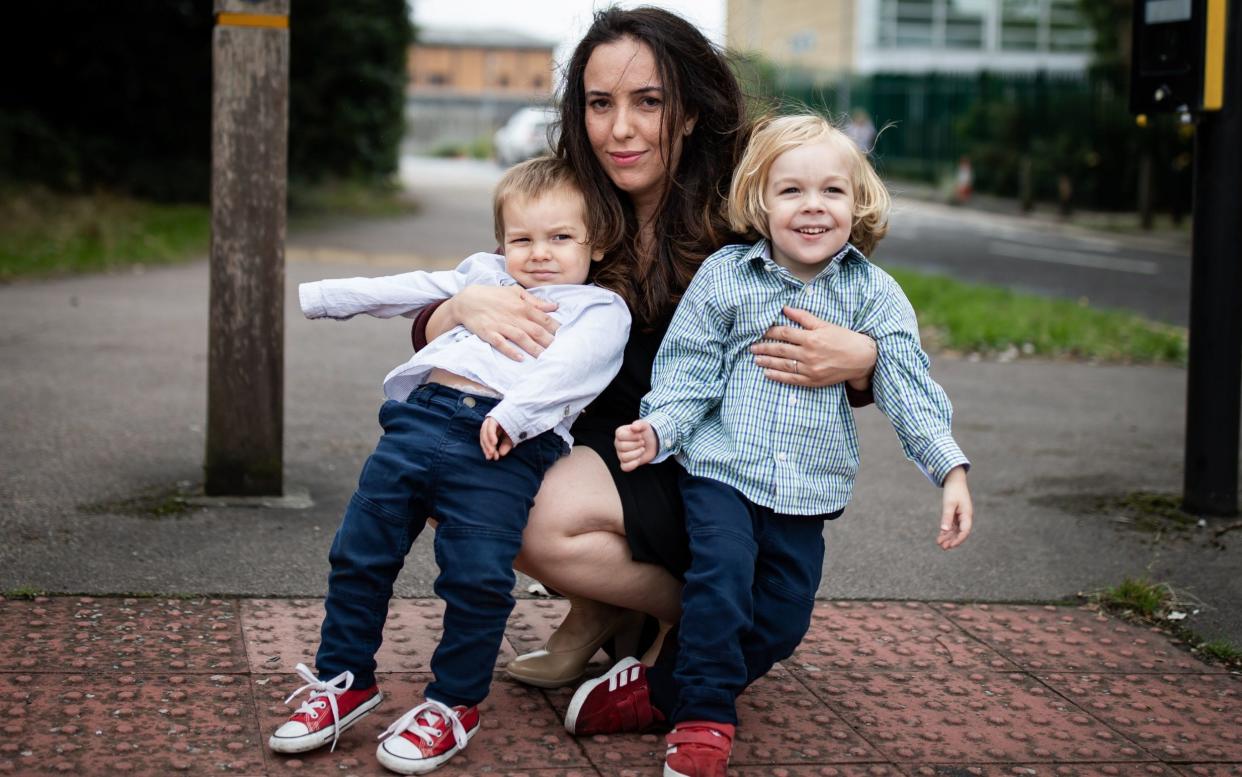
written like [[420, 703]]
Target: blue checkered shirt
[[789, 448]]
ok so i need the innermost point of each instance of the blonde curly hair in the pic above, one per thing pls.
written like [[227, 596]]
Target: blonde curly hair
[[773, 136]]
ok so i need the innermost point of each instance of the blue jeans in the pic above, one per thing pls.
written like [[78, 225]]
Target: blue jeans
[[746, 604], [428, 463]]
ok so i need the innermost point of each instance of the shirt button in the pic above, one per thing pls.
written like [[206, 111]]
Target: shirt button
[[780, 457], [522, 435], [793, 400]]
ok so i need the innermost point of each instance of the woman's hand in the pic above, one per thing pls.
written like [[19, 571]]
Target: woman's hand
[[508, 318], [817, 355]]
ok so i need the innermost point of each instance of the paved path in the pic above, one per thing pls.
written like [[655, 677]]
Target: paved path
[[152, 686]]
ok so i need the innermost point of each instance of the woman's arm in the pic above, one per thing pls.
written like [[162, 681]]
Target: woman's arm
[[818, 354], [507, 317]]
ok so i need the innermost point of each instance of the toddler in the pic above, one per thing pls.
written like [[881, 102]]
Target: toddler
[[766, 463], [468, 436]]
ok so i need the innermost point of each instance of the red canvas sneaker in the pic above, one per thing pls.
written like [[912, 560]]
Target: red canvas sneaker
[[314, 723], [426, 737], [615, 702], [698, 748]]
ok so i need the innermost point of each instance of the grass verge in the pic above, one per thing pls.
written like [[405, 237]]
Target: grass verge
[[356, 199], [1157, 604], [974, 318], [42, 233]]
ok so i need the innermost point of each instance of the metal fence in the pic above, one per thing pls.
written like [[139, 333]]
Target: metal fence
[[1020, 130]]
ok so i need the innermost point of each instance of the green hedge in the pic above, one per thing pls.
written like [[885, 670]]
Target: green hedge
[[118, 95]]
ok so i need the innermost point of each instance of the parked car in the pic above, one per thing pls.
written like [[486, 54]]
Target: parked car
[[525, 135]]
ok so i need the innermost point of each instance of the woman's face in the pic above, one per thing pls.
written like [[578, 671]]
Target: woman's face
[[625, 103]]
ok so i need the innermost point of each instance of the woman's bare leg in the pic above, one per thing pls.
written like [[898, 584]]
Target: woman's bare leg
[[575, 542]]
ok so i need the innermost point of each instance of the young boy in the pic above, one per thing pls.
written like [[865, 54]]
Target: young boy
[[768, 462], [468, 436]]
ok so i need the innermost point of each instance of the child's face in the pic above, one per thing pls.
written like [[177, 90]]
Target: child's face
[[810, 199], [545, 239]]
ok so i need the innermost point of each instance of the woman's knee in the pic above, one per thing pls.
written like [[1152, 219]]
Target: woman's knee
[[577, 497], [547, 541]]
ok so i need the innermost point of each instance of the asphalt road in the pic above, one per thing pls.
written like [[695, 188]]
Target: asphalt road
[[1043, 257]]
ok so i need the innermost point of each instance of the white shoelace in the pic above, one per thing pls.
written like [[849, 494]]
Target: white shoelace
[[432, 712], [322, 690]]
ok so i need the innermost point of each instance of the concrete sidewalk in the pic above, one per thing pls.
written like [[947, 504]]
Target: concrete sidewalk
[[155, 686]]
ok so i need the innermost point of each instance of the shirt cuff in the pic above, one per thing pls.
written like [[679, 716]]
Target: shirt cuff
[[418, 332], [519, 428], [310, 297], [666, 434], [940, 457]]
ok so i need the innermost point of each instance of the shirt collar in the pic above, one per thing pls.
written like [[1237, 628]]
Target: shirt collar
[[759, 256]]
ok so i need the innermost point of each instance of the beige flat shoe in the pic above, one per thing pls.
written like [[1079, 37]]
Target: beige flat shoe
[[559, 667]]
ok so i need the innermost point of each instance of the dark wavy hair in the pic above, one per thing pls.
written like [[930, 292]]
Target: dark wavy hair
[[691, 220]]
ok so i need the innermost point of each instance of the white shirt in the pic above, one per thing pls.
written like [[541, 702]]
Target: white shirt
[[547, 392]]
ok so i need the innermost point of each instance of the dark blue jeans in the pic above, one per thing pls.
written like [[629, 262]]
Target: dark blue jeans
[[746, 604], [428, 463]]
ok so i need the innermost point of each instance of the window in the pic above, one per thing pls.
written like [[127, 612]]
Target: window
[[906, 23], [1067, 30], [963, 23], [1020, 25]]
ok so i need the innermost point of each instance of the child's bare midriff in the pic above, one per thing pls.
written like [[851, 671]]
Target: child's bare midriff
[[453, 380]]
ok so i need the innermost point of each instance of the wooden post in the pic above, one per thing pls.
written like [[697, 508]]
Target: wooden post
[[249, 150]]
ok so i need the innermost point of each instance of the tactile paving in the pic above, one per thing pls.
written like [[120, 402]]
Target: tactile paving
[[281, 633], [1178, 717], [101, 634], [1210, 770], [1042, 770], [1071, 639], [889, 636], [533, 621], [128, 724], [519, 729], [774, 770], [158, 686], [957, 717], [780, 722]]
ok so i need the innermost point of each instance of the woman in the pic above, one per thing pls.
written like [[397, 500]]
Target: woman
[[653, 119]]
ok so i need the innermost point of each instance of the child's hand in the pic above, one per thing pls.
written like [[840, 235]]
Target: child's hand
[[493, 439], [956, 512], [636, 445]]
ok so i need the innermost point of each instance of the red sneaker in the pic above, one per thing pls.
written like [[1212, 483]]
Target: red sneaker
[[614, 702], [426, 737], [315, 722], [698, 748]]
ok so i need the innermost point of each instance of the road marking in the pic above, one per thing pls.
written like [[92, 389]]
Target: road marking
[[1073, 258]]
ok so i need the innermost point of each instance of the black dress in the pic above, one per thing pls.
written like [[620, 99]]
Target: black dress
[[650, 499]]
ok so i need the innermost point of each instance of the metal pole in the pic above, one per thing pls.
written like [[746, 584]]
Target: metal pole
[[1214, 380], [245, 383]]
